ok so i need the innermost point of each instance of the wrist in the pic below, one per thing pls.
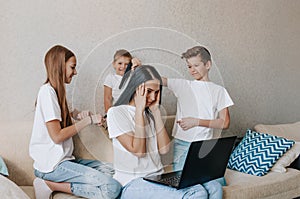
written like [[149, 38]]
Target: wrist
[[198, 122], [91, 119]]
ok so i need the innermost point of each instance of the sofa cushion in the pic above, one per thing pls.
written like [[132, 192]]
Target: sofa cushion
[[258, 152], [9, 189], [287, 159], [289, 131], [3, 167], [273, 185]]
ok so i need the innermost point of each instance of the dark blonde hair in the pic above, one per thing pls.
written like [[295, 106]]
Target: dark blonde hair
[[121, 53], [197, 51], [55, 62]]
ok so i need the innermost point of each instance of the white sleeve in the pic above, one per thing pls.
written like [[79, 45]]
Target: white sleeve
[[176, 86], [108, 81], [224, 100], [49, 104], [119, 121]]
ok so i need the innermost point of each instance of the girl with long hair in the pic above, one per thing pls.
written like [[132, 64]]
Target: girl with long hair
[[51, 144]]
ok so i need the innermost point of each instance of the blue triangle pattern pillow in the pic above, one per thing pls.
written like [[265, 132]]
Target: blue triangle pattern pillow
[[258, 152]]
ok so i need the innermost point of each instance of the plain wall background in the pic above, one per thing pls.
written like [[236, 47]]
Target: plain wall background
[[255, 47]]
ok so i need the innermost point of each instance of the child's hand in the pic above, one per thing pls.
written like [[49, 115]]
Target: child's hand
[[187, 123], [97, 119], [83, 114], [135, 63], [140, 97]]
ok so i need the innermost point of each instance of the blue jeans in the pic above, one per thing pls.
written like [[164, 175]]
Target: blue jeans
[[88, 178], [139, 188], [213, 187]]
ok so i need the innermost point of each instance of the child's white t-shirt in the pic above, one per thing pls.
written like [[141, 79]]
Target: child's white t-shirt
[[45, 153], [198, 99], [120, 120], [113, 81]]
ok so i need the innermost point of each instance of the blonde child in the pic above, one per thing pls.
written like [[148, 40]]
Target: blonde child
[[112, 83]]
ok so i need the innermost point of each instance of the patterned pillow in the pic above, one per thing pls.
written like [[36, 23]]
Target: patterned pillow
[[258, 152]]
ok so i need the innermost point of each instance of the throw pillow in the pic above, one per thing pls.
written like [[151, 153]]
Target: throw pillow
[[3, 167], [287, 159], [258, 152]]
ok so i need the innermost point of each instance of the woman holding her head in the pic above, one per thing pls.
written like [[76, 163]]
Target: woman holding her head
[[139, 137], [51, 144]]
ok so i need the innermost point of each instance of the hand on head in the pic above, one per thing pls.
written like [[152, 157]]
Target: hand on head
[[140, 97], [155, 105]]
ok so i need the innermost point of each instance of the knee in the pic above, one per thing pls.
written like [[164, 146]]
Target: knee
[[112, 189], [196, 191], [214, 189]]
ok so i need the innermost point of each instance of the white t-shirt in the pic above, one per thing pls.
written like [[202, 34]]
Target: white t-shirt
[[45, 153], [198, 99], [120, 120], [113, 81]]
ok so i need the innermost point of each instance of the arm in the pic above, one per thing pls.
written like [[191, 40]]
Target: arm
[[107, 98], [222, 122], [135, 142], [165, 81], [59, 135], [163, 139]]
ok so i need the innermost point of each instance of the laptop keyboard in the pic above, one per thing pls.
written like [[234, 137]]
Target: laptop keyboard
[[173, 180]]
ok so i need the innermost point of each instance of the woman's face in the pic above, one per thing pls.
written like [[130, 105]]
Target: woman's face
[[70, 69], [120, 65], [152, 89]]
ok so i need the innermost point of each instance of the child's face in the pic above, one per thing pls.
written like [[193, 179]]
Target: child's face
[[197, 69], [120, 65], [70, 69]]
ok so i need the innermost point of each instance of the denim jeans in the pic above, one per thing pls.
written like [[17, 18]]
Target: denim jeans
[[213, 187], [139, 188], [88, 178]]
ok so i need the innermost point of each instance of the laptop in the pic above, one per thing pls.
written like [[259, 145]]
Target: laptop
[[206, 160]]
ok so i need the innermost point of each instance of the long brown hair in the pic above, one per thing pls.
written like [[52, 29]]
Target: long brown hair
[[55, 62]]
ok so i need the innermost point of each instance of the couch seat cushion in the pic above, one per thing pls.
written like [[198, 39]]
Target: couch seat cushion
[[273, 185], [8, 189]]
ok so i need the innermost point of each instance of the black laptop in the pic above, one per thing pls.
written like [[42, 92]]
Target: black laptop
[[206, 160]]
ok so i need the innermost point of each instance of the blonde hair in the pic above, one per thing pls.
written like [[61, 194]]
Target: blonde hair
[[55, 62], [121, 53]]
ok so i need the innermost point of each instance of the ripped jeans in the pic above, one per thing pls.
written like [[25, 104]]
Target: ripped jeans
[[213, 187], [88, 178]]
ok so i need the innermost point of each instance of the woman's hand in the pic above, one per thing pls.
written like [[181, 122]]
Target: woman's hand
[[154, 107], [140, 97], [188, 122]]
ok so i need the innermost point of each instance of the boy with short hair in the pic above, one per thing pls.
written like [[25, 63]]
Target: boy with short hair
[[201, 107]]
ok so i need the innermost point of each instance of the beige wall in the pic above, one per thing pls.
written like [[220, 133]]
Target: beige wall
[[255, 47]]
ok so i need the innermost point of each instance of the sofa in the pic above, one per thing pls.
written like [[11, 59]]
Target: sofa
[[93, 142]]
